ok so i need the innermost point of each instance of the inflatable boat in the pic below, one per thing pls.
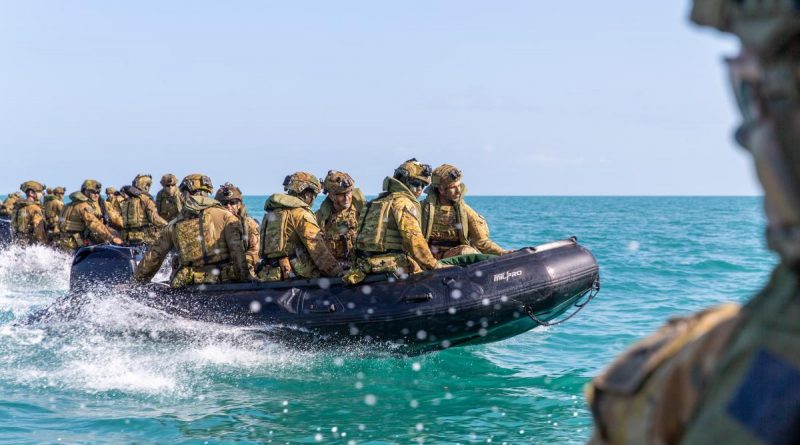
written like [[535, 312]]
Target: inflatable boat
[[480, 299]]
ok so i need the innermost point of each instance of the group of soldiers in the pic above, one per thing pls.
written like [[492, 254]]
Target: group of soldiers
[[215, 241]]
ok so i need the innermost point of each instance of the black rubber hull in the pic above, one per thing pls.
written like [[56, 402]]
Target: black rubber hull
[[6, 235], [487, 301]]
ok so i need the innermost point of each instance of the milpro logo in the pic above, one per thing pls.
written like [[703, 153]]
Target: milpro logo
[[507, 275]]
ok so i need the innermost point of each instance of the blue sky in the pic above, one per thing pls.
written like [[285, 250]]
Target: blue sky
[[527, 97]]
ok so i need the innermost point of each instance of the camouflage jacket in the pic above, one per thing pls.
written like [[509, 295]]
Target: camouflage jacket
[[208, 241], [169, 203], [7, 209], [81, 223], [340, 228], [28, 222], [448, 226], [53, 206], [724, 375], [391, 223], [289, 229], [251, 239]]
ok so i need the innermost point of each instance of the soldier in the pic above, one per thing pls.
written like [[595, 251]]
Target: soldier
[[292, 245], [168, 200], [82, 222], [338, 216], [53, 206], [231, 198], [140, 220], [389, 237], [7, 209], [730, 374], [114, 199], [207, 238], [28, 220], [450, 226]]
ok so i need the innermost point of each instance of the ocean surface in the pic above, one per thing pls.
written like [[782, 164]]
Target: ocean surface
[[123, 373]]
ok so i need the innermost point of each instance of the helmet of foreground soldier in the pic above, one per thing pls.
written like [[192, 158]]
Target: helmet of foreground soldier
[[301, 181], [228, 192], [336, 182], [196, 183], [90, 185], [766, 85], [168, 180], [142, 181], [413, 170], [445, 175], [36, 187]]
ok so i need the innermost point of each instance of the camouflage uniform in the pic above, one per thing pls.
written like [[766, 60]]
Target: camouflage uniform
[[389, 238], [28, 219], [168, 200], [7, 209], [340, 228], [730, 374], [454, 229], [207, 238], [140, 220], [229, 193], [82, 222], [291, 240], [53, 206], [114, 199]]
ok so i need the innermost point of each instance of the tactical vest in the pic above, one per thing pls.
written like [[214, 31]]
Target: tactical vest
[[168, 206], [21, 220], [378, 229], [134, 216], [273, 228], [444, 225], [52, 211], [196, 245]]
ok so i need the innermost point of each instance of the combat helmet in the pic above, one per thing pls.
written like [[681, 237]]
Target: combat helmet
[[59, 191], [445, 175], [111, 191], [168, 180], [336, 182], [413, 170], [301, 181], [142, 181], [37, 187], [90, 185], [228, 192], [196, 183]]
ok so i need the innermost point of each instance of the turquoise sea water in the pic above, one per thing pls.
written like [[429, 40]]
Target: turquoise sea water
[[122, 373]]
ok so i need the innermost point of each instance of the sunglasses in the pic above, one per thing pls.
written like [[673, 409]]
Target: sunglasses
[[416, 184]]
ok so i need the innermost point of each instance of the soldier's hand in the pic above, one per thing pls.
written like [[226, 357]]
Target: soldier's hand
[[117, 241]]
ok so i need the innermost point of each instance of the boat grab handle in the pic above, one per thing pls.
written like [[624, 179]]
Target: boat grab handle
[[592, 292], [419, 298]]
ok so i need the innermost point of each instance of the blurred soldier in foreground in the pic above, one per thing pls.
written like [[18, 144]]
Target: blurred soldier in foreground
[[53, 206], [450, 226], [338, 216], [168, 200], [292, 245], [140, 219], [730, 374], [7, 209], [83, 220], [28, 220], [207, 238], [389, 238], [231, 198]]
